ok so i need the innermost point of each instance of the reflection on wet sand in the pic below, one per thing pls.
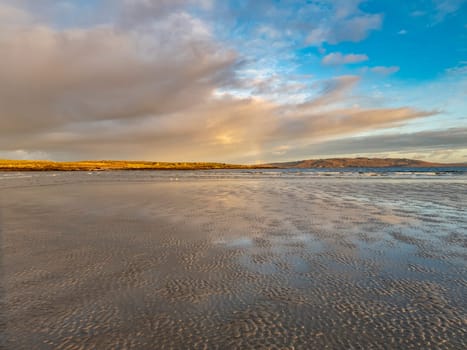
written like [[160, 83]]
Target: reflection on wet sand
[[2, 288], [234, 264]]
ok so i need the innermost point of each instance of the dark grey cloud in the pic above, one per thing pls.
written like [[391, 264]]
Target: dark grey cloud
[[423, 141]]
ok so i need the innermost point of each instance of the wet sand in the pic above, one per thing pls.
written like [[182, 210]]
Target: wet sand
[[137, 261]]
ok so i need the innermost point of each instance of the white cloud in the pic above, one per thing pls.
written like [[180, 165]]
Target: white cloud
[[447, 7], [383, 70], [460, 69], [354, 29], [24, 155], [336, 58]]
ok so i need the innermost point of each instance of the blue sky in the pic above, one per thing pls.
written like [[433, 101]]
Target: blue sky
[[237, 81]]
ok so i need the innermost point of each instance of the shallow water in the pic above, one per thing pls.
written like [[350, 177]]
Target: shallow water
[[232, 260]]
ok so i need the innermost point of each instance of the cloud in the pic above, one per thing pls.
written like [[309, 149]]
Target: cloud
[[402, 32], [345, 23], [418, 13], [448, 145], [13, 17], [23, 155], [443, 8], [270, 86], [438, 10], [423, 141], [296, 22], [218, 129], [105, 73], [337, 58], [383, 70], [459, 70], [139, 12]]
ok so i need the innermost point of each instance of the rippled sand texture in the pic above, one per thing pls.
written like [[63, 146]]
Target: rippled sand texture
[[93, 263]]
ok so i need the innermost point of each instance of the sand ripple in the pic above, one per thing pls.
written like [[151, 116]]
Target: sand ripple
[[121, 262]]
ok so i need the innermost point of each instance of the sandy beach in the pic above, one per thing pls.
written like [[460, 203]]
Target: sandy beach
[[141, 261]]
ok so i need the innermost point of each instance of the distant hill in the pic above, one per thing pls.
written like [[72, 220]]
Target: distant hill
[[358, 163]]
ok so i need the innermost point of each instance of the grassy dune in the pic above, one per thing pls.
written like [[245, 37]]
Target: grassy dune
[[34, 165]]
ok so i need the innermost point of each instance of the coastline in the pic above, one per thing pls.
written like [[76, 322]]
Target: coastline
[[111, 165]]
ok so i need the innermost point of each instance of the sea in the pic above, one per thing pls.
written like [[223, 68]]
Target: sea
[[175, 175]]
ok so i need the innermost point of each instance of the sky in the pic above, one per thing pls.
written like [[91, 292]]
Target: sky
[[234, 80]]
